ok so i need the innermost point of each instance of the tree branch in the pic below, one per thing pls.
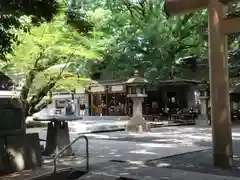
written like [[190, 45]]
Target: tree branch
[[37, 98], [186, 46], [43, 91], [128, 6], [30, 77], [42, 105]]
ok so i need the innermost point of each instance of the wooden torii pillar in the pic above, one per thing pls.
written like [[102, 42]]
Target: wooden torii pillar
[[218, 29]]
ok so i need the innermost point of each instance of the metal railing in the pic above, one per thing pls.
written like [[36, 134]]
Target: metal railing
[[70, 144]]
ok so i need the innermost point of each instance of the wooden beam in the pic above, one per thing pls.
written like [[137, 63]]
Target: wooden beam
[[180, 7], [227, 1], [219, 87], [230, 26]]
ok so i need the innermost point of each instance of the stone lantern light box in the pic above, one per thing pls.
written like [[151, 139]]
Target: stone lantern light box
[[136, 90], [136, 86], [204, 100]]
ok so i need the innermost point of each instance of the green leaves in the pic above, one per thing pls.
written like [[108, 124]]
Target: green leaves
[[38, 8], [7, 37], [41, 50], [11, 19], [142, 36]]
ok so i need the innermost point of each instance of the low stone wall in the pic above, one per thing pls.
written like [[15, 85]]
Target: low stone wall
[[19, 152], [32, 124]]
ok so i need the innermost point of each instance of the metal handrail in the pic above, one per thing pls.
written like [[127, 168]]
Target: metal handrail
[[70, 144]]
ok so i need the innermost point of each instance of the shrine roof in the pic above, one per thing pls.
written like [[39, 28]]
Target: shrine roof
[[107, 83], [180, 81], [140, 80]]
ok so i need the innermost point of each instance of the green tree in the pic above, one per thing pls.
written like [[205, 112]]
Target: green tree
[[141, 36], [44, 47], [10, 19]]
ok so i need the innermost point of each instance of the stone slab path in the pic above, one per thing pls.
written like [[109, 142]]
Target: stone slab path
[[142, 172], [200, 161], [164, 153]]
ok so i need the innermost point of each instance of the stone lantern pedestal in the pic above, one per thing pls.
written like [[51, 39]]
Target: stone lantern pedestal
[[203, 117], [136, 91], [204, 98], [137, 123]]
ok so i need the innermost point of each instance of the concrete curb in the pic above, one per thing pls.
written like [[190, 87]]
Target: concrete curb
[[39, 125], [35, 124], [103, 131], [123, 129], [148, 162]]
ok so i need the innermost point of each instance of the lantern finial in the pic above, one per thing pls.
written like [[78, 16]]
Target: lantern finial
[[136, 73]]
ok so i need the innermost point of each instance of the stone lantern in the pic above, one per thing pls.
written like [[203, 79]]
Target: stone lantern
[[204, 98], [136, 90]]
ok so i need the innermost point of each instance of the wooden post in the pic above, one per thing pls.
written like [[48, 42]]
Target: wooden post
[[92, 113], [219, 87], [106, 103]]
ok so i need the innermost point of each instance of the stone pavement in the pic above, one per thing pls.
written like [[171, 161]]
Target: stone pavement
[[200, 161], [122, 171], [143, 172], [160, 154], [86, 126], [83, 126]]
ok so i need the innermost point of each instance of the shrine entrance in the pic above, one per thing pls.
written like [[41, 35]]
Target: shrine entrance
[[108, 98]]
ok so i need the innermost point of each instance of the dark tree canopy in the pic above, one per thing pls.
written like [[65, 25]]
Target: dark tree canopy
[[9, 18], [39, 8], [6, 36]]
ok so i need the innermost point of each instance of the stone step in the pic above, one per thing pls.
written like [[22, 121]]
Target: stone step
[[87, 118], [102, 176], [94, 176]]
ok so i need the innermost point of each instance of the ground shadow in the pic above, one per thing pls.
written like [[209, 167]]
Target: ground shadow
[[200, 161]]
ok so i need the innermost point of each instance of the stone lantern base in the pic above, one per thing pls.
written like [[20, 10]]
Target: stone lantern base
[[202, 120], [203, 117], [137, 124]]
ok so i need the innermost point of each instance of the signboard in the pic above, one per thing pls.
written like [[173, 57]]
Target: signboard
[[117, 88], [11, 116], [98, 89]]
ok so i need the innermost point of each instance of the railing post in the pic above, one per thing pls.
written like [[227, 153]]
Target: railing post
[[70, 144]]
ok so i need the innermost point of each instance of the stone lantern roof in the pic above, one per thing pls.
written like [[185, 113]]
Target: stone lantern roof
[[136, 79], [204, 85]]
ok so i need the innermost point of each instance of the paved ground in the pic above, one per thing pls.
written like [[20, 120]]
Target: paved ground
[[129, 147], [167, 147], [200, 161], [142, 172], [92, 123], [83, 126]]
